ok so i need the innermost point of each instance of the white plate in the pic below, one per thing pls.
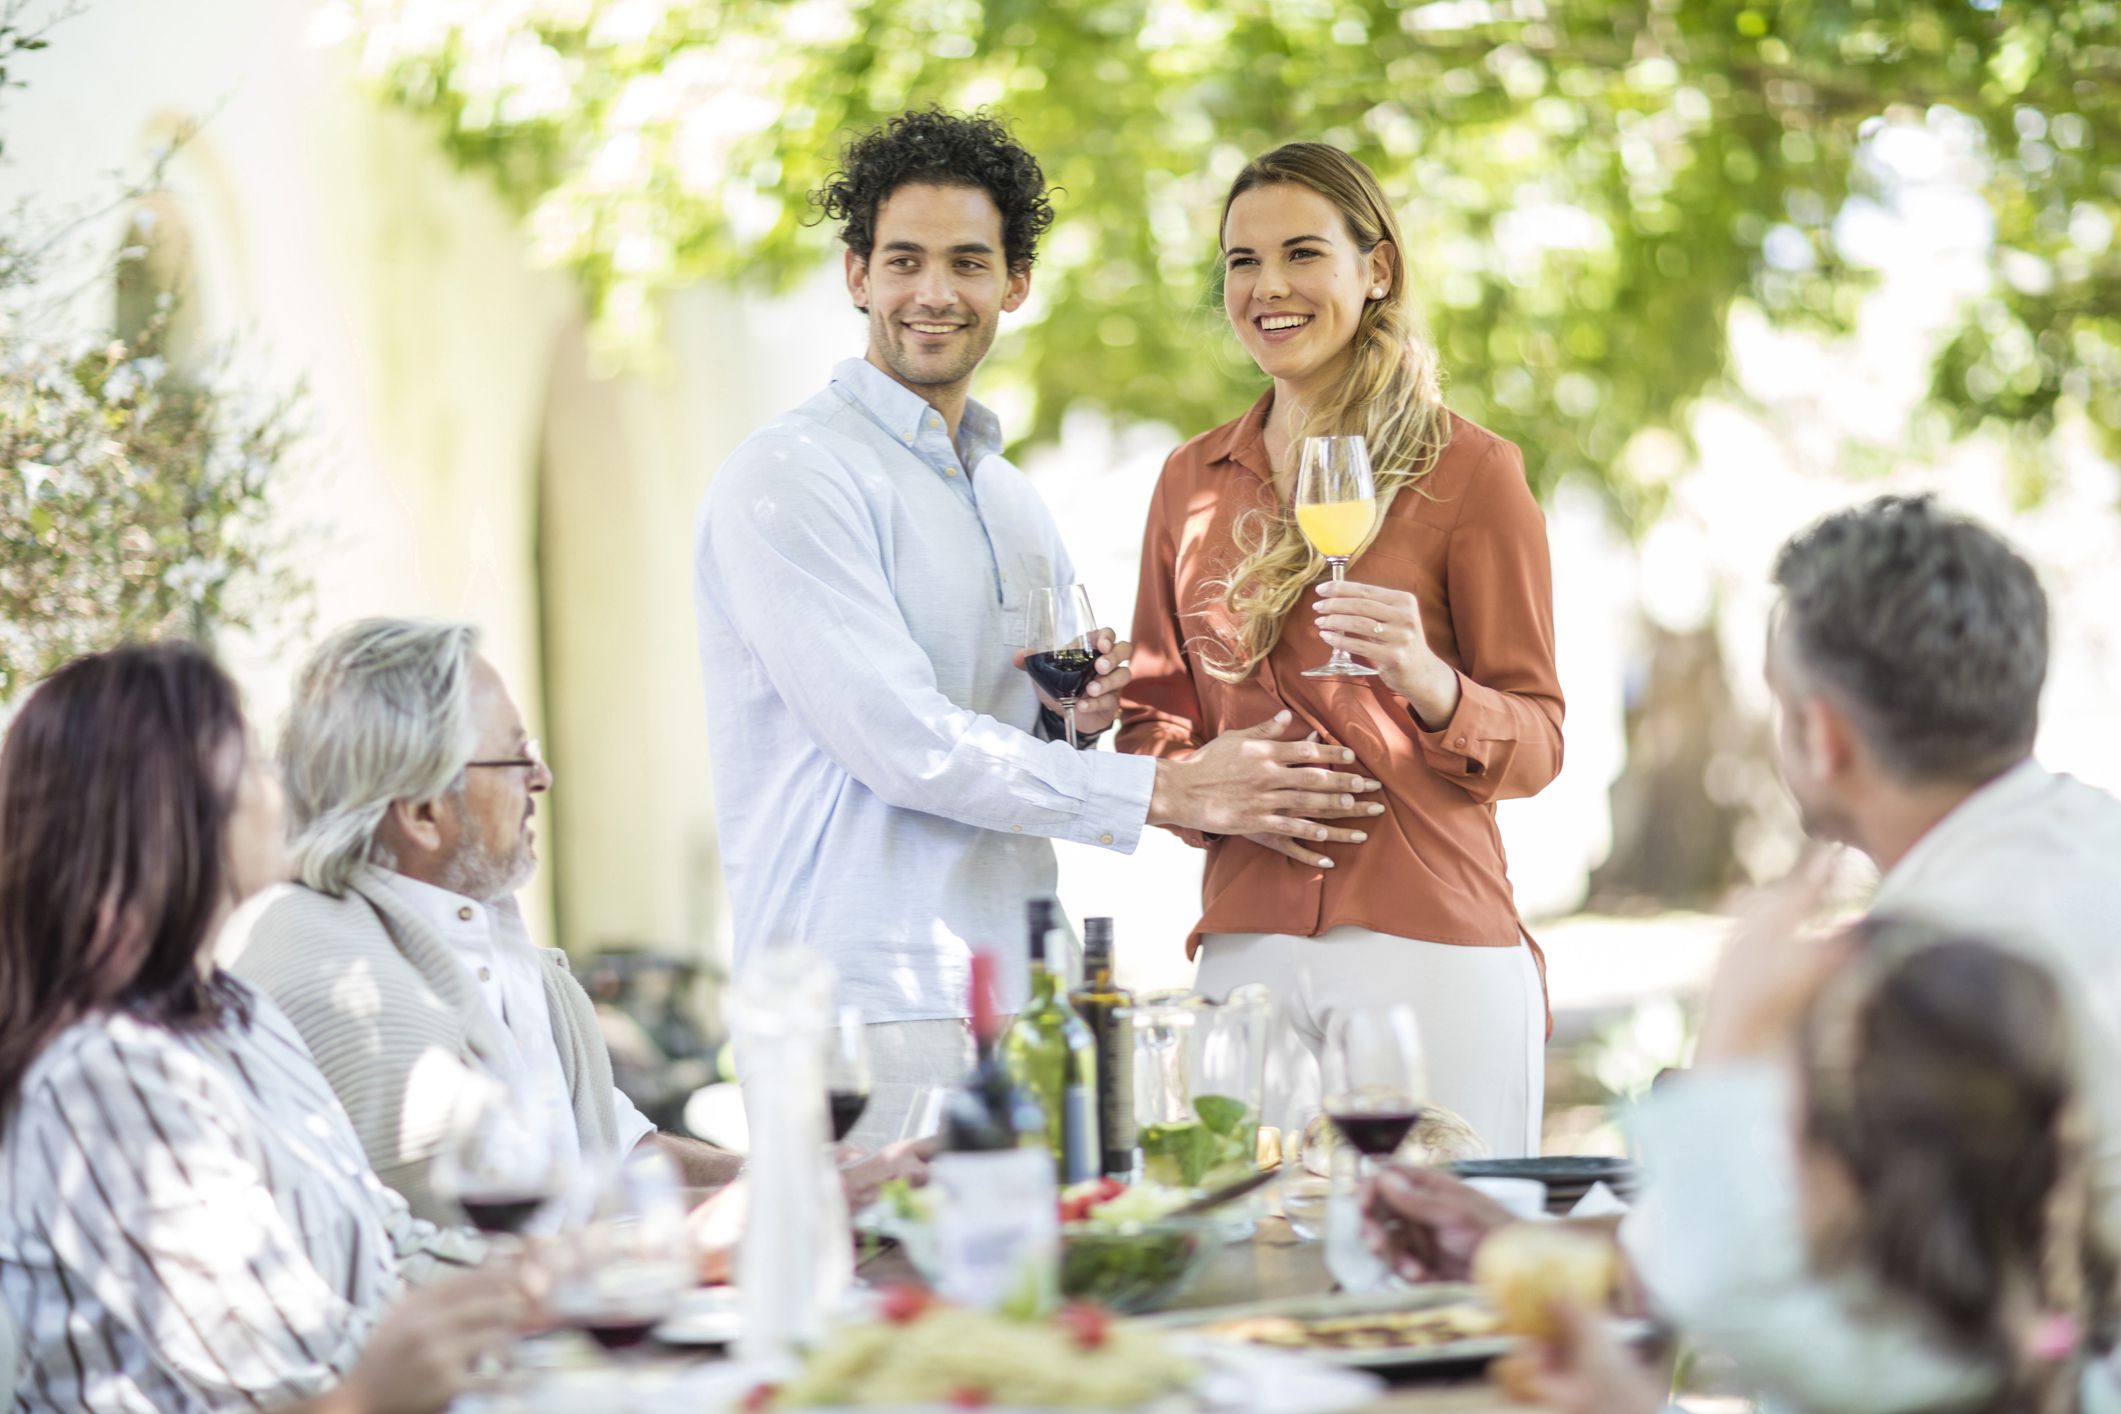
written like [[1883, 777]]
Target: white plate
[[708, 1315]]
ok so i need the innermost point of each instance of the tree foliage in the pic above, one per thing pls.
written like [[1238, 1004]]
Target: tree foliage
[[1589, 187], [141, 486]]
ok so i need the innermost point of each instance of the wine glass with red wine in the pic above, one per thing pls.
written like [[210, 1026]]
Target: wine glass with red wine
[[504, 1163], [1376, 1077], [617, 1277], [1061, 632], [847, 1075]]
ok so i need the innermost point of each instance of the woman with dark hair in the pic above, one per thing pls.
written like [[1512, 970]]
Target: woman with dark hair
[[1448, 606], [188, 1222]]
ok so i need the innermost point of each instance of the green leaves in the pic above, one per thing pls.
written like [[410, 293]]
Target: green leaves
[[1588, 188]]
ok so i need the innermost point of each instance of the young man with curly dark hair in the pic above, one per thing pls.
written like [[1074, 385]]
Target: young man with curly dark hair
[[887, 779]]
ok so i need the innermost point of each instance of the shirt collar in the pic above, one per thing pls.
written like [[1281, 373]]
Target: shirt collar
[[450, 914], [900, 411], [1244, 441], [1998, 797]]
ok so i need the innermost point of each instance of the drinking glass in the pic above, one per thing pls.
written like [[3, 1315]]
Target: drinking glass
[[1375, 1077], [1306, 1177], [618, 1276], [504, 1163], [847, 1071], [1062, 638], [1336, 508]]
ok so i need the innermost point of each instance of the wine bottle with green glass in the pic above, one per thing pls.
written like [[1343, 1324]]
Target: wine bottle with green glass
[[1050, 1052]]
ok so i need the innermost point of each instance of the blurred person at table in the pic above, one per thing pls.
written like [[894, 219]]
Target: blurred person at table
[[1450, 600], [1906, 658], [1931, 1093], [188, 1222], [888, 782]]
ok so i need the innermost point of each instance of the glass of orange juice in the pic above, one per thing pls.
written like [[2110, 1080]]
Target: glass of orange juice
[[1336, 508]]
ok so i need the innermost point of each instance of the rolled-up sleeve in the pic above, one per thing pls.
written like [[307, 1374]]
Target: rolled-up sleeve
[[796, 565], [1504, 740]]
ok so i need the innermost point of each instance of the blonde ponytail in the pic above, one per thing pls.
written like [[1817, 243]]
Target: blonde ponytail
[[1392, 394]]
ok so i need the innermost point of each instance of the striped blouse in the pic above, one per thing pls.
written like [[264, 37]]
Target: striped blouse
[[188, 1223]]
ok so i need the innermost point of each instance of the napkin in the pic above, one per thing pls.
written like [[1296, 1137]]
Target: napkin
[[1598, 1201]]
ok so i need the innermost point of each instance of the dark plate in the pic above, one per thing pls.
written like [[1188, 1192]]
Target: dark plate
[[1576, 1171]]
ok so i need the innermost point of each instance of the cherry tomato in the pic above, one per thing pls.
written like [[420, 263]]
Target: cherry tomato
[[903, 1303], [1086, 1325]]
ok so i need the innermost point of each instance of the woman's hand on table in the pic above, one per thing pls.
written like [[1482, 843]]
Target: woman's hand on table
[[1382, 627], [1427, 1225], [1582, 1370]]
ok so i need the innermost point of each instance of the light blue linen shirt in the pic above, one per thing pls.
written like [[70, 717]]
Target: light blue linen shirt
[[881, 787]]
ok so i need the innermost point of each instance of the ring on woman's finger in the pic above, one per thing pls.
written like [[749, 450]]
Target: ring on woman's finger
[[1376, 628]]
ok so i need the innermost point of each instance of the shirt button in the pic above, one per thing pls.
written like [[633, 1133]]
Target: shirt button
[[1016, 829], [949, 471], [1104, 839], [1460, 742], [485, 974], [465, 912]]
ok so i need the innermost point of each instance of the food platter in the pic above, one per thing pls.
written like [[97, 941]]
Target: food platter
[[1442, 1325]]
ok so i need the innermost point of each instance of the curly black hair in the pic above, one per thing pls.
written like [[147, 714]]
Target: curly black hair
[[947, 149]]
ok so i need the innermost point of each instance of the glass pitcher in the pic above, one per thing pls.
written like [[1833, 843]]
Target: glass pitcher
[[1199, 1081]]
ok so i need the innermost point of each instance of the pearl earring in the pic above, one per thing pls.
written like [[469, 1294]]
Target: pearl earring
[[1377, 292]]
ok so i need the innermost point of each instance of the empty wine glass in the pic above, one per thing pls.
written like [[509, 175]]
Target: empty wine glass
[[504, 1163], [1061, 634], [1375, 1077], [847, 1072], [1336, 508]]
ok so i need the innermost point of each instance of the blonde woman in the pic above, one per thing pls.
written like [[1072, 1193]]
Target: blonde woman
[[1450, 600]]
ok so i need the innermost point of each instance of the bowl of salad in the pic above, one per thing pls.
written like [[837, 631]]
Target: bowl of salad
[[1121, 1245]]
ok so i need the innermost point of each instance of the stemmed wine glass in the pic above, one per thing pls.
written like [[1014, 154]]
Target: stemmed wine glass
[[1336, 508], [1376, 1077], [504, 1163], [618, 1276], [1062, 637], [847, 1073]]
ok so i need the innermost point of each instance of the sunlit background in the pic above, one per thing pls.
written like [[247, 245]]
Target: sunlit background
[[453, 308]]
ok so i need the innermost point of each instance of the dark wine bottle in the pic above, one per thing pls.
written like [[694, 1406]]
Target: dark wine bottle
[[997, 1224], [1099, 1001]]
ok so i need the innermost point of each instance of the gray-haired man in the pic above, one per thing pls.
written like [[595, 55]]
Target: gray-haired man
[[401, 956]]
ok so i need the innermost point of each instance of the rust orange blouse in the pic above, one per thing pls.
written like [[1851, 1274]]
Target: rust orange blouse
[[1470, 543]]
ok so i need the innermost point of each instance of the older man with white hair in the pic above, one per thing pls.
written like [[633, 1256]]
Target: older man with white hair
[[401, 954]]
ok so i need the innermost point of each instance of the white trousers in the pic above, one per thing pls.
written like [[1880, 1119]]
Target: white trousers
[[1480, 1010], [910, 1063]]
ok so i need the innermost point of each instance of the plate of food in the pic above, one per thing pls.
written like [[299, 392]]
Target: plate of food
[[919, 1353], [1444, 1324]]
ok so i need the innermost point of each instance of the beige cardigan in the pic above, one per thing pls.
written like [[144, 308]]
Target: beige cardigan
[[396, 1023]]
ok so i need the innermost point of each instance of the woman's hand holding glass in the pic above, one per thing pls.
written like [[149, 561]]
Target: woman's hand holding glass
[[1382, 627]]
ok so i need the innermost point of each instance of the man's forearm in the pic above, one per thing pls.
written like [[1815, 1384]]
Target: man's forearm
[[701, 1165]]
